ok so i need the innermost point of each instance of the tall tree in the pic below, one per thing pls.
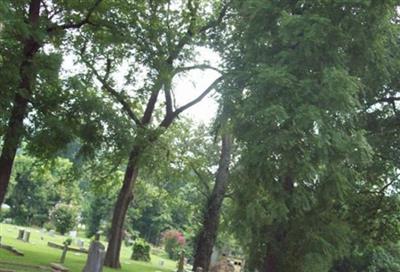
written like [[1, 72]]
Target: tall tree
[[297, 77], [157, 37], [28, 26]]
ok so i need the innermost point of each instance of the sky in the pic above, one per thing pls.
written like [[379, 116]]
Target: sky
[[186, 86], [194, 83]]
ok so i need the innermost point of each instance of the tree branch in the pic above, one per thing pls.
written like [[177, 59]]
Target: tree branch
[[168, 98], [199, 67], [190, 33], [76, 25], [151, 102], [169, 118], [117, 96]]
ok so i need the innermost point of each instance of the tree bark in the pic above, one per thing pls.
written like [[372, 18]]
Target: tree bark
[[278, 232], [208, 234], [15, 129], [270, 264], [125, 197]]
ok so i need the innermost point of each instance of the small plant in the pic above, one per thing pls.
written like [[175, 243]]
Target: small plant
[[64, 217], [67, 242], [48, 226], [174, 241], [141, 251]]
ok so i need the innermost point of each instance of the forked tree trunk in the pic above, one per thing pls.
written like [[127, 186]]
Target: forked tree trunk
[[15, 128], [208, 233], [125, 197]]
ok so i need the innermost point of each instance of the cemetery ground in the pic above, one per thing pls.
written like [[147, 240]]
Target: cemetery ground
[[38, 253]]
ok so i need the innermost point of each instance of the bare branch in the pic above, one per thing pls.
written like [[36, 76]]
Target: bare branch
[[199, 67], [200, 97], [76, 25], [169, 118]]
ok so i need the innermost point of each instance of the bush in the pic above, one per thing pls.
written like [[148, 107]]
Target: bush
[[141, 251], [174, 241], [64, 217]]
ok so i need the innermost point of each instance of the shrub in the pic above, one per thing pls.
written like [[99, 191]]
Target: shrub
[[141, 251], [64, 217], [174, 241]]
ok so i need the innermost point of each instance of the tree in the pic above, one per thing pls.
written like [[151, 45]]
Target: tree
[[27, 26], [295, 94], [36, 187], [64, 217], [151, 41]]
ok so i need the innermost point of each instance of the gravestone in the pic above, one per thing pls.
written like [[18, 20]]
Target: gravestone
[[21, 234], [52, 233], [42, 232], [26, 236], [80, 243], [95, 259]]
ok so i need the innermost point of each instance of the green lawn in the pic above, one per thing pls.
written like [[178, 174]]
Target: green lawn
[[38, 253]]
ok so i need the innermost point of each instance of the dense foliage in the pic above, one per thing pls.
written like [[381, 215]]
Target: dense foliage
[[141, 251], [308, 93], [64, 217]]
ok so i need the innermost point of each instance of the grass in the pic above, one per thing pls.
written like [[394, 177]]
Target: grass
[[38, 253]]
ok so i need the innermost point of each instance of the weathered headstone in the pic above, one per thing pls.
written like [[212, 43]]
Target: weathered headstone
[[80, 243], [26, 236], [95, 259]]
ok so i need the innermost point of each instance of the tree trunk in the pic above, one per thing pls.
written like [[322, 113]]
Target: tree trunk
[[15, 129], [278, 233], [208, 234], [125, 197], [270, 261]]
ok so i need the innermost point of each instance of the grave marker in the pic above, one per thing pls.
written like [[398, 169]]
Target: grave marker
[[95, 259]]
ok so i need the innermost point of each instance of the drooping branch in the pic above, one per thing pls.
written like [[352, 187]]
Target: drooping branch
[[169, 118], [76, 25]]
